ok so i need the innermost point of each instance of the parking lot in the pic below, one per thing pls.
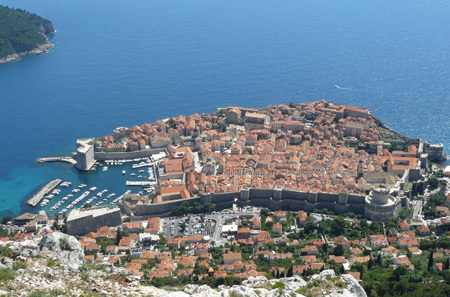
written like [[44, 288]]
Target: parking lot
[[204, 224], [188, 225]]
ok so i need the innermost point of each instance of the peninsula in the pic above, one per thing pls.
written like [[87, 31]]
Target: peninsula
[[308, 199], [306, 156], [22, 33]]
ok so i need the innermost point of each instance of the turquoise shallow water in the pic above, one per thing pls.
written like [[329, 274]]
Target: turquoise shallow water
[[120, 63]]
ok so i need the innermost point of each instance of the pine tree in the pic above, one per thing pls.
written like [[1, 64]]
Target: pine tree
[[290, 271], [379, 260], [119, 235], [278, 273], [342, 269], [430, 261], [369, 265], [446, 264]]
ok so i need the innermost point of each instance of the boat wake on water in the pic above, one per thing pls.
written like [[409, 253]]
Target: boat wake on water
[[343, 88]]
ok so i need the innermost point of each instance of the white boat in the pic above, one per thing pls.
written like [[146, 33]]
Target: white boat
[[93, 189], [123, 172], [105, 168], [66, 184], [133, 174]]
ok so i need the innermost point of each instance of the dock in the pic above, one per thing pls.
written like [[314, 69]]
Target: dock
[[33, 201], [57, 159], [134, 166], [140, 183]]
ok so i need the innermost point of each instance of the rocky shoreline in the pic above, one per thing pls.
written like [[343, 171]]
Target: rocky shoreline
[[39, 50]]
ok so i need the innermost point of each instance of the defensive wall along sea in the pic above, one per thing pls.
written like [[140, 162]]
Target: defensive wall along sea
[[102, 156]]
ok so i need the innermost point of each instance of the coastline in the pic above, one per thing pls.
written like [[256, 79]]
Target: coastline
[[39, 50]]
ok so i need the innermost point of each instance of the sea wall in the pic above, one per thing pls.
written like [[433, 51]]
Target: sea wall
[[102, 156]]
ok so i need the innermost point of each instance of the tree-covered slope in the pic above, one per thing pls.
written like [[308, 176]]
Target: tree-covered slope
[[21, 31]]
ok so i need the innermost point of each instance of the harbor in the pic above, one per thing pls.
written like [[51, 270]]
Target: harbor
[[33, 201], [104, 186]]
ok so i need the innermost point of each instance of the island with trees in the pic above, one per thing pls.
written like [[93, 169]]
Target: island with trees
[[22, 33]]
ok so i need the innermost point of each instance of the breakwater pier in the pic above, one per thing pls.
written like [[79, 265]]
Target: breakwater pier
[[33, 201], [57, 159]]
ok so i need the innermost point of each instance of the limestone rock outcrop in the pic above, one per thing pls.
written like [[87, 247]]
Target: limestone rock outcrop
[[56, 246]]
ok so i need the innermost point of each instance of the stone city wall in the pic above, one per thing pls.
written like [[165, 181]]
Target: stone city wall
[[87, 224], [274, 199], [159, 209], [102, 156]]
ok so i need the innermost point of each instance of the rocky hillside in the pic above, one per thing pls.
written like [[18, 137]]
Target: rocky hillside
[[55, 266]]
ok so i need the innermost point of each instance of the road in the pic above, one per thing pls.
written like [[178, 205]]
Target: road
[[417, 209], [197, 165]]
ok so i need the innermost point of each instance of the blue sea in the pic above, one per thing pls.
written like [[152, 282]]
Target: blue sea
[[121, 63]]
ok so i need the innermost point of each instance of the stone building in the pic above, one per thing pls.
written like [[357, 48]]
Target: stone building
[[85, 154], [379, 205], [256, 121]]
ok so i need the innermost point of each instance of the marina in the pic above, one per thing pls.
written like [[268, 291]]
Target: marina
[[33, 201], [99, 187]]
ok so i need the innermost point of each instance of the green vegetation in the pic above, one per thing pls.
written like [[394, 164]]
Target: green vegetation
[[41, 293], [19, 265], [6, 275], [52, 263], [196, 207], [3, 232], [21, 31], [278, 285], [103, 242], [64, 242], [438, 199], [406, 288], [6, 252], [6, 219], [184, 280]]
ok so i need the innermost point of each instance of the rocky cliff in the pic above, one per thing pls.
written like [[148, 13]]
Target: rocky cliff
[[55, 264]]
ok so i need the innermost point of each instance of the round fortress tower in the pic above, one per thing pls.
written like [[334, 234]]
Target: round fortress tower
[[380, 195], [379, 205]]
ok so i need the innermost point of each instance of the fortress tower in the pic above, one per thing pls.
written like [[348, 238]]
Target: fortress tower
[[379, 205]]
